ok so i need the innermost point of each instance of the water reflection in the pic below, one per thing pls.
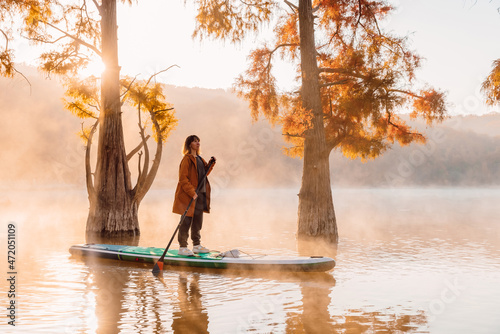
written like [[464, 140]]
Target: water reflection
[[190, 316], [359, 321], [107, 285], [127, 297], [392, 268], [314, 316]]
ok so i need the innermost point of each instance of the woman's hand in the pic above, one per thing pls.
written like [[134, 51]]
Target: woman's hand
[[195, 196]]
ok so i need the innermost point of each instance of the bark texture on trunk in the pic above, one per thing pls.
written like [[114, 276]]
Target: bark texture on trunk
[[113, 209], [316, 215]]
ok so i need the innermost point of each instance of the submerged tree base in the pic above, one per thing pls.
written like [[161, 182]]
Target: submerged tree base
[[330, 238], [110, 218], [316, 215], [316, 246]]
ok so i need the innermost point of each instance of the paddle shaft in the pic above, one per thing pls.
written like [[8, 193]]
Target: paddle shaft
[[210, 163]]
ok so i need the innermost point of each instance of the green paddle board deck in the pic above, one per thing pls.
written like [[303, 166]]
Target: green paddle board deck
[[209, 260]]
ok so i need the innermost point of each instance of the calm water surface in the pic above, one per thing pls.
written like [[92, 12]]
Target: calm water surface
[[409, 261]]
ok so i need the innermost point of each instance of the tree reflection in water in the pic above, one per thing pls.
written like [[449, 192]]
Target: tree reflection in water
[[380, 322], [108, 287], [108, 280], [316, 317], [190, 316], [128, 297]]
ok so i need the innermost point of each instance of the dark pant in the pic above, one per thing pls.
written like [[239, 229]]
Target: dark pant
[[195, 223]]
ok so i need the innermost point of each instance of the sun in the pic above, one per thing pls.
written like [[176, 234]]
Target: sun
[[95, 68]]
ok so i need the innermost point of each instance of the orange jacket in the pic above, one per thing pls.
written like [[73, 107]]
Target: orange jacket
[[186, 187]]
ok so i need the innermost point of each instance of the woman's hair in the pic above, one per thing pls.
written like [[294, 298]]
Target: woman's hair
[[187, 149]]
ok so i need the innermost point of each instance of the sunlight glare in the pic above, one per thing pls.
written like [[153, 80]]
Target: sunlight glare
[[90, 314], [94, 68]]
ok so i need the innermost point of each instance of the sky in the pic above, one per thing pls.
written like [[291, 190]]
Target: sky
[[457, 38]]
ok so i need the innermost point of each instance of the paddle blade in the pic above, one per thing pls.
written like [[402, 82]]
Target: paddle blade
[[158, 267]]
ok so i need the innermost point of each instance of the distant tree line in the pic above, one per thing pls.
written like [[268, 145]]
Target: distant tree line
[[461, 159]]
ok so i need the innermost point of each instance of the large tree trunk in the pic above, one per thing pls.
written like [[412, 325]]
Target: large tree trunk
[[113, 209], [316, 216]]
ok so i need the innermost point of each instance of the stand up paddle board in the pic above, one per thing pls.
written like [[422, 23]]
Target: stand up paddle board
[[214, 260]]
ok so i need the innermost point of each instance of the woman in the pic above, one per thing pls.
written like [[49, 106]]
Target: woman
[[191, 171]]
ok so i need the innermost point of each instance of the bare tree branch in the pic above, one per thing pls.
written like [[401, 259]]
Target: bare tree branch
[[41, 40], [128, 88], [83, 132], [267, 68], [340, 82], [144, 186], [76, 39], [337, 30], [406, 92], [374, 19], [85, 112], [302, 135], [342, 71], [398, 127], [88, 170], [139, 165], [29, 83], [96, 107], [141, 178], [292, 6], [283, 45], [6, 39], [360, 10], [13, 67], [151, 77], [97, 6], [135, 150], [249, 4], [157, 111], [85, 8]]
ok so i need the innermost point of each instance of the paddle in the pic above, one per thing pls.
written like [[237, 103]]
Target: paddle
[[158, 267]]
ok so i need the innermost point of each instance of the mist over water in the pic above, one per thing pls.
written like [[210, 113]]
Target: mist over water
[[409, 260]]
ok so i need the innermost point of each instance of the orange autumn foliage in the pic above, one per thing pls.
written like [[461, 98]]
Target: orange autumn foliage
[[8, 10], [366, 75], [491, 86]]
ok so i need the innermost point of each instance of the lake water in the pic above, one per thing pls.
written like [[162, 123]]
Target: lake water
[[409, 261]]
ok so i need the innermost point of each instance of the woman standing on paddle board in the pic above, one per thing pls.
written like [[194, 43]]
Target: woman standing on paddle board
[[191, 171]]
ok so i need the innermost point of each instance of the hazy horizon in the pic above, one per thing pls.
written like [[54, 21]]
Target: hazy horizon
[[50, 152]]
